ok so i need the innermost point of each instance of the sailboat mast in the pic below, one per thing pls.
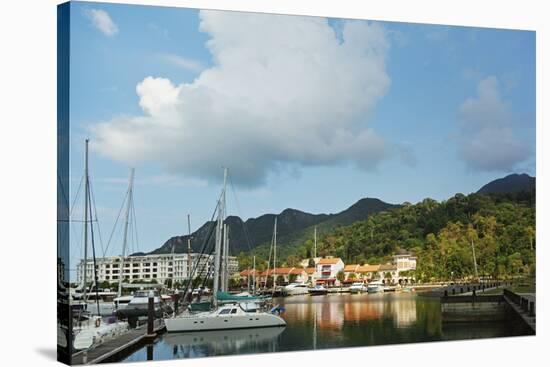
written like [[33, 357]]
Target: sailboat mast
[[275, 254], [126, 223], [218, 249], [86, 192], [189, 260], [314, 243], [225, 258], [254, 275]]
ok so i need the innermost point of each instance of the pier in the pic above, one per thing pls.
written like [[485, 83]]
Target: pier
[[114, 349], [475, 307]]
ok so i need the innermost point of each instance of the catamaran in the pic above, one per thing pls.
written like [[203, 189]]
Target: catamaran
[[229, 311]]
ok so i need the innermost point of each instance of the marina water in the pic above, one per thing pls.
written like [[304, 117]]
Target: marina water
[[331, 321]]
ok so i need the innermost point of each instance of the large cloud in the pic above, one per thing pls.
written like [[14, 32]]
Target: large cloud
[[283, 90], [488, 141]]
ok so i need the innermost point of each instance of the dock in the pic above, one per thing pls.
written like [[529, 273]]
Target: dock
[[476, 307], [524, 305], [115, 349], [463, 289]]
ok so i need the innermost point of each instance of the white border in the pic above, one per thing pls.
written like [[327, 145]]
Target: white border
[[27, 191]]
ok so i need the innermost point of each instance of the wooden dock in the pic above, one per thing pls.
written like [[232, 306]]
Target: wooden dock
[[112, 350]]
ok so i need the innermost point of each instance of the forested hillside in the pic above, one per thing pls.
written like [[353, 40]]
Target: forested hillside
[[501, 228]]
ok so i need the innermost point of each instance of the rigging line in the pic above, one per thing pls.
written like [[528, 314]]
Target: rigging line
[[192, 281], [191, 272], [63, 191], [134, 222], [195, 281], [203, 247], [92, 196], [76, 196], [93, 252], [243, 224], [116, 222]]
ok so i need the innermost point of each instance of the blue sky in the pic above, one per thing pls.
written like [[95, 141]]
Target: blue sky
[[395, 111]]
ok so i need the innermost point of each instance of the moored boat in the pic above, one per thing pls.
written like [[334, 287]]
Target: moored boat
[[230, 316], [318, 290], [295, 289], [357, 287], [375, 286]]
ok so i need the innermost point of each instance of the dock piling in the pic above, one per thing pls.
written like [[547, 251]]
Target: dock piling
[[151, 314]]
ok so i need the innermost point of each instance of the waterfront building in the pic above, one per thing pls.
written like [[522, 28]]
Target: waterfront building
[[284, 276], [405, 261], [388, 273], [310, 273], [326, 270], [368, 272], [305, 262], [158, 267], [350, 273], [248, 275]]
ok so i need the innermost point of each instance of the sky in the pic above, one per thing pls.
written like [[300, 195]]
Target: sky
[[306, 112]]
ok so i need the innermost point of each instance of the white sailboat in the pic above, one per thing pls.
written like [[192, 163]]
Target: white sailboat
[[90, 330], [232, 315]]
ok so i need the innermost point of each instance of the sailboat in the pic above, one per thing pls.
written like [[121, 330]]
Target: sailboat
[[229, 311], [89, 329]]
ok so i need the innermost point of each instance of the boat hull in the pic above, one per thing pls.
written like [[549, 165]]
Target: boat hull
[[209, 322], [375, 289], [318, 293]]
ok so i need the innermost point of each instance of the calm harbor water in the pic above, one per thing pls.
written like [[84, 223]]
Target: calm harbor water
[[331, 321]]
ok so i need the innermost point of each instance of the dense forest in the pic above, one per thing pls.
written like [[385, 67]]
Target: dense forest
[[500, 228]]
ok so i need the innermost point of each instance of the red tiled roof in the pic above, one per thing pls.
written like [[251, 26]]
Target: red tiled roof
[[387, 267], [247, 272], [310, 270], [329, 261], [368, 268], [350, 268], [297, 271]]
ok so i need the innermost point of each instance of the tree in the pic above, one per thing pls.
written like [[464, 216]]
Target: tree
[[292, 261], [311, 263], [340, 276]]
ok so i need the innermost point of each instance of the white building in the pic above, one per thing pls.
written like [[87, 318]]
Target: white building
[[326, 270], [404, 261], [147, 267]]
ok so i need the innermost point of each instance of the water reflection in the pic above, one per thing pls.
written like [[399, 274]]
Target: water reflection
[[330, 321]]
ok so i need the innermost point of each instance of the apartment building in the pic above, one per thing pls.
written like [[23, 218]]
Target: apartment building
[[148, 267]]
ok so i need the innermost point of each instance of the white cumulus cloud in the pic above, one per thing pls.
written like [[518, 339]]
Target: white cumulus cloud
[[282, 91], [102, 21], [488, 141]]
